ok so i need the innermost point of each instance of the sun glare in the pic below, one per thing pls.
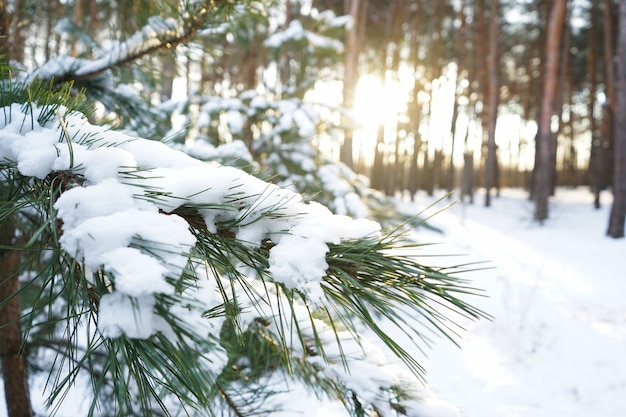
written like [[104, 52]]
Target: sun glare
[[376, 103]]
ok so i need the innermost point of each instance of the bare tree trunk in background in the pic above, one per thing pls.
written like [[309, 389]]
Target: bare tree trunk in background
[[455, 118], [5, 45], [467, 184], [618, 210], [561, 97], [395, 29], [12, 357], [428, 172], [481, 41], [377, 173], [457, 92], [414, 112], [49, 29], [285, 66], [12, 41], [16, 30], [608, 111], [571, 162], [480, 38], [609, 66], [543, 176], [79, 12], [413, 184], [357, 9], [596, 151], [493, 101], [526, 104], [168, 73]]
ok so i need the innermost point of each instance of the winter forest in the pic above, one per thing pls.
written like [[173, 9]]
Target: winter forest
[[228, 208]]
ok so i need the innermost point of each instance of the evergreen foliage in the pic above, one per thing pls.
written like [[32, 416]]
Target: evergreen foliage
[[237, 313]]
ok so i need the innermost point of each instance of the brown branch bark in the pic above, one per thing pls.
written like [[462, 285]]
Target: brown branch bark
[[194, 25], [12, 356]]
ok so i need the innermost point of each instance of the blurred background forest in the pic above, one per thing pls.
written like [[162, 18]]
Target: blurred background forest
[[413, 94]]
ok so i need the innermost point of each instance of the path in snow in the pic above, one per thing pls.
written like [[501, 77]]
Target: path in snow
[[557, 344]]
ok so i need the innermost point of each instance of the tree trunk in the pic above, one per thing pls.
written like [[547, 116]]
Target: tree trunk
[[357, 9], [457, 93], [618, 210], [544, 172], [79, 12], [168, 73], [5, 44], [397, 35], [608, 111], [609, 66], [13, 361], [493, 101], [561, 97], [595, 157], [378, 167], [467, 183]]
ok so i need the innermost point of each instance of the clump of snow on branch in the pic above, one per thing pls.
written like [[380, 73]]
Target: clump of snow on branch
[[296, 32], [230, 151], [150, 36], [285, 132]]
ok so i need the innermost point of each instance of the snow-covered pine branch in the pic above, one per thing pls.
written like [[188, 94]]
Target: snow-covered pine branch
[[167, 250], [159, 33]]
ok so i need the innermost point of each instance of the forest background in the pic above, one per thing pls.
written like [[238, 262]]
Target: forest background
[[349, 101], [417, 94]]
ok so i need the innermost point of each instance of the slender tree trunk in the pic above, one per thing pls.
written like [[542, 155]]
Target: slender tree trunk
[[79, 12], [467, 184], [618, 210], [5, 44], [357, 9], [493, 99], [561, 97], [455, 117], [608, 113], [284, 64], [543, 176], [18, 20], [378, 167], [49, 29], [168, 73], [571, 165], [595, 157], [427, 171], [413, 166], [12, 358], [457, 92], [609, 66], [397, 36]]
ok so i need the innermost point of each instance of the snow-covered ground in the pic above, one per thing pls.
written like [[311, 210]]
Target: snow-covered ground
[[557, 344]]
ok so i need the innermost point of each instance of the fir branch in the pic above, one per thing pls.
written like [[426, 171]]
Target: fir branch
[[366, 278], [192, 21]]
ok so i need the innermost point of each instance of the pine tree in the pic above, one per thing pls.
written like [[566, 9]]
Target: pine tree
[[153, 283]]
